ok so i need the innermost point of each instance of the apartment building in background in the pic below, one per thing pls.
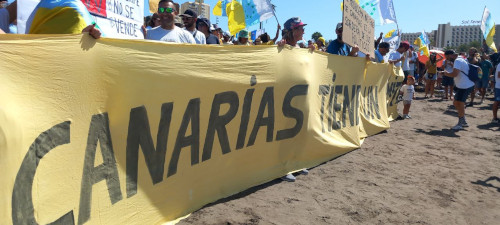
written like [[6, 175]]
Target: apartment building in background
[[202, 9]]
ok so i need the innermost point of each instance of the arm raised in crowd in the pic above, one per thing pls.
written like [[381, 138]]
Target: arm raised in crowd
[[277, 33]]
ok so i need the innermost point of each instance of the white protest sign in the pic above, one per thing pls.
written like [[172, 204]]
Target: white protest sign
[[118, 18]]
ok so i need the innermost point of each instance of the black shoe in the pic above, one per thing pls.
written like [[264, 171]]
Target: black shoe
[[470, 104]]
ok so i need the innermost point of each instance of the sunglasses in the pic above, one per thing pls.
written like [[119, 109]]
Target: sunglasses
[[299, 28], [168, 10], [186, 18]]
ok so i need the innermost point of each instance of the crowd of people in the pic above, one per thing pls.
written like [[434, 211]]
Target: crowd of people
[[452, 76]]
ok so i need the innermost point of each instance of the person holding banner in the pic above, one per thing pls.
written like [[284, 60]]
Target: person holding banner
[[383, 49], [7, 16], [462, 82], [167, 31], [338, 47]]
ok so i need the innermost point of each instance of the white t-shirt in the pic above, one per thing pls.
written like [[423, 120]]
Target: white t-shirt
[[461, 80], [497, 78], [4, 20], [408, 91], [176, 35], [395, 55], [406, 62], [198, 36]]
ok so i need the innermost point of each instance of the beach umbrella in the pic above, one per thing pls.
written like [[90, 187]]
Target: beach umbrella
[[423, 58]]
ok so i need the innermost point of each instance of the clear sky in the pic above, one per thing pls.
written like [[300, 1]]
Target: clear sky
[[412, 15]]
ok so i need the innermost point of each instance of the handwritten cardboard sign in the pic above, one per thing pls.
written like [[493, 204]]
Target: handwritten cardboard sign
[[358, 27]]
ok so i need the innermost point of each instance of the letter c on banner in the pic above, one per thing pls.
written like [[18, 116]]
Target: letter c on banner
[[22, 201]]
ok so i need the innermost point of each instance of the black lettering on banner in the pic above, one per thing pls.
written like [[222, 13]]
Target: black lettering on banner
[[323, 91], [218, 123], [192, 114], [336, 107], [331, 114], [374, 97], [98, 132], [267, 100], [22, 199], [291, 112], [245, 118], [139, 134], [366, 102]]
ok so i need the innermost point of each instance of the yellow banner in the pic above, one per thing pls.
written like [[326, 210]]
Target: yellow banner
[[141, 132]]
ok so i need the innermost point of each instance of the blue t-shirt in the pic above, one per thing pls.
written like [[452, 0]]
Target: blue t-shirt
[[337, 48], [485, 67], [379, 57], [212, 40]]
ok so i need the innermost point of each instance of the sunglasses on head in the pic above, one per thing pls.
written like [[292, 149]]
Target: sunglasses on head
[[168, 10]]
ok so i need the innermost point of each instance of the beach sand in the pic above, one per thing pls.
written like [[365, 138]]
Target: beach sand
[[418, 172]]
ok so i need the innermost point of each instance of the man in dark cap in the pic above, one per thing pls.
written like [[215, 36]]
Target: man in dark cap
[[189, 18], [338, 47], [203, 25]]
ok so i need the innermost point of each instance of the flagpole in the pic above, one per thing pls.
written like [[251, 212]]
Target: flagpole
[[274, 12], [397, 25]]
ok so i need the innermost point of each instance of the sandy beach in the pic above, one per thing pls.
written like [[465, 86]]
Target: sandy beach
[[418, 172]]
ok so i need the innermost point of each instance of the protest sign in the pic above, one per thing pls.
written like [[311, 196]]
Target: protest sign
[[114, 135], [118, 18], [358, 27]]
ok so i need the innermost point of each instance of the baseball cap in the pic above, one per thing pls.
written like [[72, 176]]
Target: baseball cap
[[243, 34], [189, 13], [204, 21], [339, 25], [322, 40], [226, 34], [293, 22], [450, 52], [216, 27]]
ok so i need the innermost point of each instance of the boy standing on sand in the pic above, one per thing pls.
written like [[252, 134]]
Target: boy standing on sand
[[408, 92]]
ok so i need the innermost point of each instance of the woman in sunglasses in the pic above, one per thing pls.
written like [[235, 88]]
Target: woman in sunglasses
[[167, 31]]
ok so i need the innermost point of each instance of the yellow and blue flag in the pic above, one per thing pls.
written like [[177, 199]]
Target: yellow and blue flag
[[59, 17], [488, 29], [236, 17], [422, 43], [220, 8]]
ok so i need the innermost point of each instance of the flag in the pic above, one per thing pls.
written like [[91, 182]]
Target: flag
[[422, 43], [220, 8], [392, 38], [387, 14], [257, 11], [236, 17], [488, 29], [382, 11], [59, 17]]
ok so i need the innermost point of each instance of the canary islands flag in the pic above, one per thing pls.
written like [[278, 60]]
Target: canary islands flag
[[422, 43], [59, 17], [488, 29]]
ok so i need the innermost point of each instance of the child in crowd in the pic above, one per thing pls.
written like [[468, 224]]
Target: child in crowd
[[408, 92]]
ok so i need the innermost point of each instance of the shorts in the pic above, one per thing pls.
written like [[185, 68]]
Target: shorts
[[430, 76], [406, 102], [448, 81], [462, 94], [482, 83], [497, 95]]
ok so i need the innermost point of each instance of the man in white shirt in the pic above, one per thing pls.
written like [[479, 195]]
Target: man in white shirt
[[167, 31], [397, 57], [7, 16], [189, 19], [462, 82]]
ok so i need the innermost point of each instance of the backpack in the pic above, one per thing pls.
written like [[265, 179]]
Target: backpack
[[473, 72]]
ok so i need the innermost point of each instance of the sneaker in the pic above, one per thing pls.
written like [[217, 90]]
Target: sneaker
[[457, 127], [407, 117], [304, 172], [470, 104], [289, 177], [464, 124], [495, 120]]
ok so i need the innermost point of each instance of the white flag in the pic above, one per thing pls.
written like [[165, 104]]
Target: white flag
[[387, 14], [264, 9]]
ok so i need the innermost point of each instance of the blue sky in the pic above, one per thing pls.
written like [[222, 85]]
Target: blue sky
[[412, 15]]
